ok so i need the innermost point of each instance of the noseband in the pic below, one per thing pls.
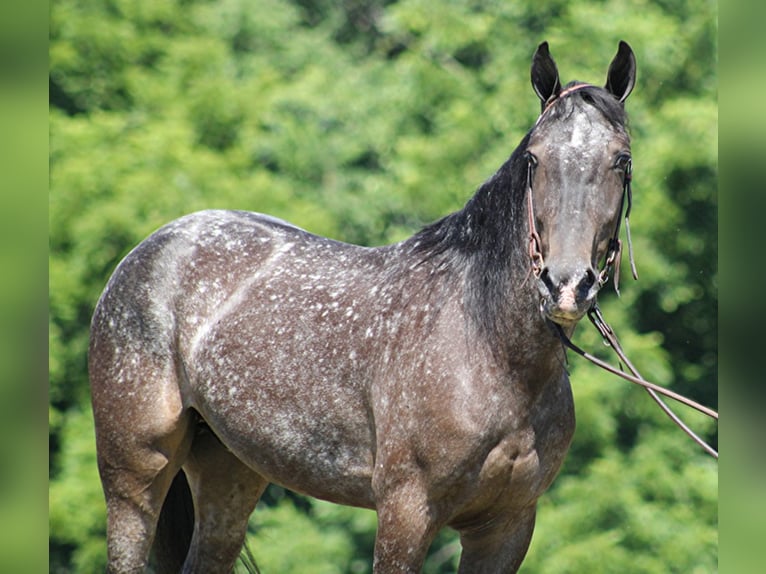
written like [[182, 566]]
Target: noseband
[[614, 251]]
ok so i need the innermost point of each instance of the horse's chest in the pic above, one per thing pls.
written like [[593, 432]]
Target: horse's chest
[[514, 471], [522, 465]]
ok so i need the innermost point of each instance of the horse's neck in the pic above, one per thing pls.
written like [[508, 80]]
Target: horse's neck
[[507, 312], [530, 340], [485, 245]]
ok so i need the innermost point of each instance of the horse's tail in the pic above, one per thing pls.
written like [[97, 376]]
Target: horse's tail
[[174, 527]]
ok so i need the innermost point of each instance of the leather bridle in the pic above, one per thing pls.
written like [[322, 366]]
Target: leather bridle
[[611, 261], [613, 254], [535, 243]]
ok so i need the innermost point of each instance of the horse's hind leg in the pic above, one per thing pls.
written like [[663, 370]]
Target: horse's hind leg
[[143, 433], [225, 493], [136, 474]]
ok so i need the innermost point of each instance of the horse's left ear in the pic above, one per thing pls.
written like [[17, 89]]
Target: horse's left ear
[[622, 73]]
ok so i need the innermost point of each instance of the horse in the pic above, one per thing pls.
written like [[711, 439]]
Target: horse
[[422, 379]]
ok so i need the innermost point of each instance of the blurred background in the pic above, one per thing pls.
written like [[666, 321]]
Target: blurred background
[[363, 120]]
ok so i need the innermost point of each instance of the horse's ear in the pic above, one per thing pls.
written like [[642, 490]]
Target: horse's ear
[[621, 76], [545, 75]]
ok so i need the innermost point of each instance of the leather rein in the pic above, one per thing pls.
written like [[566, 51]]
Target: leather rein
[[653, 389], [611, 260]]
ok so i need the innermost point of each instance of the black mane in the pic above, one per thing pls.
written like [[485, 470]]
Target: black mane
[[489, 220], [489, 213], [480, 242]]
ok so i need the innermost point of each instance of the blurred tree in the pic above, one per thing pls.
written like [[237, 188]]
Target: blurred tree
[[362, 120]]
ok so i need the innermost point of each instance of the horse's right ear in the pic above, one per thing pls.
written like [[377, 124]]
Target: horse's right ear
[[545, 75]]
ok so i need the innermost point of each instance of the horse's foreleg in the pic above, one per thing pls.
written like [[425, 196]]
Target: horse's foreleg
[[498, 546], [225, 492], [406, 528]]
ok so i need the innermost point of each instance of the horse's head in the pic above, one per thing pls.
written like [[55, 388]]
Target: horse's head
[[578, 171]]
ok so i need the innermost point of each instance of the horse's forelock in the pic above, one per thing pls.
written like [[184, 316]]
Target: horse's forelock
[[609, 106]]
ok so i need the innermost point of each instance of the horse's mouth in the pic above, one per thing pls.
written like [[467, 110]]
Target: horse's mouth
[[567, 302], [564, 315]]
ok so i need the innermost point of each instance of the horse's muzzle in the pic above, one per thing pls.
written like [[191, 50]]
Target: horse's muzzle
[[567, 294]]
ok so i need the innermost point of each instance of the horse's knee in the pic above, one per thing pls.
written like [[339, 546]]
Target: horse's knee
[[406, 527], [140, 471]]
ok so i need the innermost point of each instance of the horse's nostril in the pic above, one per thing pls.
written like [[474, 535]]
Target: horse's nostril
[[587, 282], [545, 277], [579, 282]]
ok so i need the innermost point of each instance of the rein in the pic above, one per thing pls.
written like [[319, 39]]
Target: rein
[[611, 260], [654, 390]]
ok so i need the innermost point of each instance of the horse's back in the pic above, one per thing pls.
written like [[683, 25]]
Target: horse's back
[[139, 301]]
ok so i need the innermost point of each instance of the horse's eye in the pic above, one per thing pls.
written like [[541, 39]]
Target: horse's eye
[[623, 161], [531, 159]]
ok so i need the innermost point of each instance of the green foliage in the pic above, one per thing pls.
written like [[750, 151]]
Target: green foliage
[[77, 509], [289, 540], [648, 512], [361, 121]]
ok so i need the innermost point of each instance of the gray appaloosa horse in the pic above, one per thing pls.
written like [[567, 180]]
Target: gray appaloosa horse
[[421, 379]]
